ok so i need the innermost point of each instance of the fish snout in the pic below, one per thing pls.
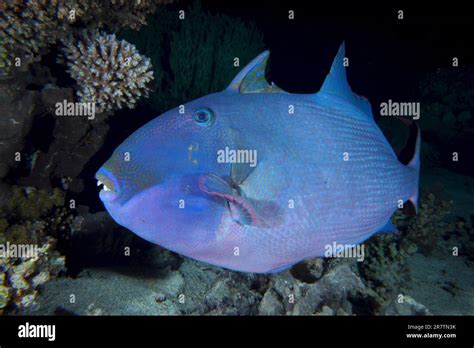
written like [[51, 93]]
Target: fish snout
[[110, 188]]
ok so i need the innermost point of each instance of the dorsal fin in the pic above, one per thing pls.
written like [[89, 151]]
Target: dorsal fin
[[336, 84], [251, 79]]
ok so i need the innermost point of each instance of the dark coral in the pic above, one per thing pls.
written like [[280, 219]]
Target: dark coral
[[427, 228]]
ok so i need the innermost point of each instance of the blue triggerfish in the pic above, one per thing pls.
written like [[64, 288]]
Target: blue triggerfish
[[256, 179]]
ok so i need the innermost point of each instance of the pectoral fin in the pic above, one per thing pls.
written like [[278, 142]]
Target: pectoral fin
[[241, 210]]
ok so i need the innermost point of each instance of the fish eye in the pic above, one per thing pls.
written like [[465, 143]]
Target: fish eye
[[203, 117]]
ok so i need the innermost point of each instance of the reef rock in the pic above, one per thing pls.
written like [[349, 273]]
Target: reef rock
[[406, 307], [17, 113], [75, 141]]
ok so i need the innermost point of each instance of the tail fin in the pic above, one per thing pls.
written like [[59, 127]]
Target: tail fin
[[415, 164]]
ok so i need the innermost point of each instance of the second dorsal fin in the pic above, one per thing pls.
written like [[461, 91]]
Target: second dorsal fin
[[336, 84]]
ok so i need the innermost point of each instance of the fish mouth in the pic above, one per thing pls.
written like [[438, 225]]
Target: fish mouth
[[110, 189]]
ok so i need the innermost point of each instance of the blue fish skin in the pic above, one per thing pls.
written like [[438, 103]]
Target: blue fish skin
[[324, 173]]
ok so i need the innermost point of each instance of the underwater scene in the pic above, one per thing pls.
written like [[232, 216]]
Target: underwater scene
[[235, 158]]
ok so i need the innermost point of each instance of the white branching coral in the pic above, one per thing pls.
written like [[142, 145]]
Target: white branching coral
[[110, 73]]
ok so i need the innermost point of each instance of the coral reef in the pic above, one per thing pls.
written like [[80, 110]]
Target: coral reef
[[29, 27], [385, 268], [31, 203], [116, 14], [460, 233], [35, 218], [110, 72], [5, 60], [29, 215], [28, 30], [426, 228], [168, 284], [331, 290], [200, 58], [21, 277], [168, 287]]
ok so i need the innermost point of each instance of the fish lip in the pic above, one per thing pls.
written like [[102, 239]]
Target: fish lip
[[108, 196], [105, 177]]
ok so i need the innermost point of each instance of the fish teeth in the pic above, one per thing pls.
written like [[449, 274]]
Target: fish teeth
[[105, 188]]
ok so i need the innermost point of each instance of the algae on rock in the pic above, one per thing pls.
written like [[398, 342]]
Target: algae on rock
[[31, 217]]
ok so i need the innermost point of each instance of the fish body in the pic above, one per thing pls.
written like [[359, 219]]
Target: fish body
[[321, 172]]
